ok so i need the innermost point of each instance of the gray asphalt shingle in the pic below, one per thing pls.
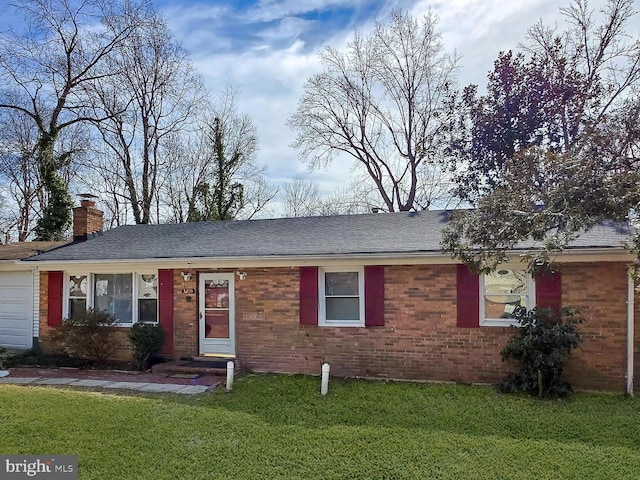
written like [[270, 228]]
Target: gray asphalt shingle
[[382, 233]]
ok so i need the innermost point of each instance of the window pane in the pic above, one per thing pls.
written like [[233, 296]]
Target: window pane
[[147, 286], [76, 307], [216, 294], [148, 310], [216, 324], [505, 281], [343, 308], [505, 290], [78, 286], [113, 294], [340, 283], [503, 306]]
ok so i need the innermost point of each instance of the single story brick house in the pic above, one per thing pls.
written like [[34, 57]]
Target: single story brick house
[[372, 295]]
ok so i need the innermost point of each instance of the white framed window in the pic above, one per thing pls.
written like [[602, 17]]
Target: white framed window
[[147, 294], [502, 292], [341, 297], [76, 302], [129, 296]]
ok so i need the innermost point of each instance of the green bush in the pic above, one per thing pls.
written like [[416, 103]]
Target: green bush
[[544, 341], [147, 340], [35, 357], [91, 335]]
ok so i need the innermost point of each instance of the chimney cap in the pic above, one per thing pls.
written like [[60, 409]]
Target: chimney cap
[[87, 196]]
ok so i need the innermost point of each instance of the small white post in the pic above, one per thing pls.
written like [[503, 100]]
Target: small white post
[[324, 388], [230, 366]]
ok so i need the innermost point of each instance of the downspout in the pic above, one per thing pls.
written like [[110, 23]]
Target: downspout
[[630, 330]]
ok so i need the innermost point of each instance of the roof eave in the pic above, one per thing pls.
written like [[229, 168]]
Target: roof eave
[[379, 258]]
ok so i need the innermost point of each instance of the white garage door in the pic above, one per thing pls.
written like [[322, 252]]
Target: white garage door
[[16, 309]]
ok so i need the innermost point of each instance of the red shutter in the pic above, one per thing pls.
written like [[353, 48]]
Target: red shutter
[[468, 288], [549, 291], [54, 301], [308, 295], [165, 308], [374, 296]]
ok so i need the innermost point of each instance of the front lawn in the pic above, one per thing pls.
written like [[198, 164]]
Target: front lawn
[[280, 427]]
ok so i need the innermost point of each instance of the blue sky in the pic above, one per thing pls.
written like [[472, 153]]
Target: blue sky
[[267, 48]]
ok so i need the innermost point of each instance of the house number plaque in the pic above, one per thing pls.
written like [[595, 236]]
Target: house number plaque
[[188, 291]]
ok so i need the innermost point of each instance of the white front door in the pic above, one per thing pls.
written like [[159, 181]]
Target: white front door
[[217, 314]]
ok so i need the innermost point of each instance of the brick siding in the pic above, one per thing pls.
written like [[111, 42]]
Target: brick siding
[[420, 339]]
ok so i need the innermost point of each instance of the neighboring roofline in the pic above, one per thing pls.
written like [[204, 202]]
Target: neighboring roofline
[[396, 258], [16, 266], [24, 250]]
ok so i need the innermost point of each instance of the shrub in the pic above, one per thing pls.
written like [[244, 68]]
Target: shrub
[[35, 357], [91, 335], [543, 342], [147, 340]]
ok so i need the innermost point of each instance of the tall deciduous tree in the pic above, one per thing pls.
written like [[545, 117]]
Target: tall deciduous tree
[[20, 179], [552, 148], [214, 173], [19, 175], [44, 74], [154, 94], [385, 103]]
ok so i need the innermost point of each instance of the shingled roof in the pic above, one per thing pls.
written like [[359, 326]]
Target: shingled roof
[[382, 233], [21, 250]]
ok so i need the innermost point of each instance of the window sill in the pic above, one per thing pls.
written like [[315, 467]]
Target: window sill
[[499, 322], [337, 323]]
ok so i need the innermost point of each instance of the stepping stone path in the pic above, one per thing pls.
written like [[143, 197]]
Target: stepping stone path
[[135, 386]]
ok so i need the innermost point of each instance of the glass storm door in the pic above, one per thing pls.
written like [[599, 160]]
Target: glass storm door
[[217, 319]]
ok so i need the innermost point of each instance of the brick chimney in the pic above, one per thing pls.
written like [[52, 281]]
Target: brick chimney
[[87, 219]]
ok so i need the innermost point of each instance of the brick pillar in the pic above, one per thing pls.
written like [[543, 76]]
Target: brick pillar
[[86, 220]]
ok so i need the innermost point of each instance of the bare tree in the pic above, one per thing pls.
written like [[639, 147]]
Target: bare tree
[[102, 177], [215, 175], [44, 73], [154, 95], [300, 198], [438, 187], [357, 198], [19, 175], [24, 191], [385, 103]]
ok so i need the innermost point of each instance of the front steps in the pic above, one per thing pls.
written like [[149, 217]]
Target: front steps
[[198, 365]]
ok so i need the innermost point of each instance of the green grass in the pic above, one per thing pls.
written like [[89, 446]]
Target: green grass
[[280, 427]]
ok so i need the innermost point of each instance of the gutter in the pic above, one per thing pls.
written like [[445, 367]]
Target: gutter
[[434, 256], [630, 330]]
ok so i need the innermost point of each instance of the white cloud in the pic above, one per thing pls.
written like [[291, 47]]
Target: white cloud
[[479, 29], [270, 82], [288, 27], [269, 10], [270, 70]]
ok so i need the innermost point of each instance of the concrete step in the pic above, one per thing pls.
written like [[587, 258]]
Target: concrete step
[[202, 365]]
